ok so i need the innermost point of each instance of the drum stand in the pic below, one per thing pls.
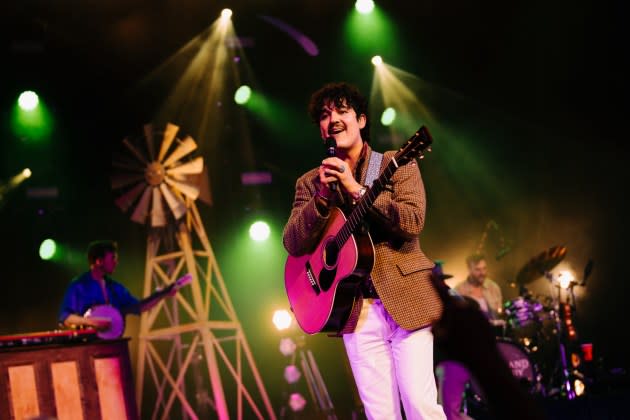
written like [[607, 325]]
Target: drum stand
[[315, 382], [567, 386]]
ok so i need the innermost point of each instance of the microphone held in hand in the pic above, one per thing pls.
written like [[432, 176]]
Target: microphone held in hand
[[331, 151]]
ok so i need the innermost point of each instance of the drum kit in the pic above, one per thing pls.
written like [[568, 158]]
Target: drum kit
[[536, 333]]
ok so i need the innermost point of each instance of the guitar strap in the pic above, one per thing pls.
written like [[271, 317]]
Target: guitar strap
[[374, 166]]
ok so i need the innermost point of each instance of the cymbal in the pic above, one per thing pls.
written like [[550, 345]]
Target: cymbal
[[540, 264]]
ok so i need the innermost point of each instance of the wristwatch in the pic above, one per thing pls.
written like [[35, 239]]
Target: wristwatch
[[359, 194]]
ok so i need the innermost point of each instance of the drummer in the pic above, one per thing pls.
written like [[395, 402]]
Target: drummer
[[453, 376]]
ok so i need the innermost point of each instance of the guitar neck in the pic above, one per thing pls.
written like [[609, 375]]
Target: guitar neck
[[412, 149], [360, 210], [157, 295]]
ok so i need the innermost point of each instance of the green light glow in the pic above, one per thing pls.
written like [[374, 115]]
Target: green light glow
[[364, 6], [371, 33], [47, 249], [34, 124], [242, 95], [259, 231], [388, 116], [28, 100]]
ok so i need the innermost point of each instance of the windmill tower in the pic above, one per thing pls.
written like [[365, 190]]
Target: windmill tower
[[195, 336]]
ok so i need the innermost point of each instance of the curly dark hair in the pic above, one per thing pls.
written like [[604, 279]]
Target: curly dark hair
[[98, 249], [338, 92]]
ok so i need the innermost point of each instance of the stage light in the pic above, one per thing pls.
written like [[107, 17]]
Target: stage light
[[282, 319], [28, 100], [364, 6], [287, 346], [30, 118], [242, 95], [259, 231], [226, 14], [565, 278], [579, 387], [292, 374], [388, 116], [377, 60], [47, 249], [297, 401], [26, 173]]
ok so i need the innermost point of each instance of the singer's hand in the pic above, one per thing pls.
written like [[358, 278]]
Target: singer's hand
[[334, 170]]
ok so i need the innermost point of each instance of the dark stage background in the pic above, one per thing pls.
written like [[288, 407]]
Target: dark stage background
[[527, 107]]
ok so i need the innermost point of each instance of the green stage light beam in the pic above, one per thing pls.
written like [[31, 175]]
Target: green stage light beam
[[30, 118], [369, 33]]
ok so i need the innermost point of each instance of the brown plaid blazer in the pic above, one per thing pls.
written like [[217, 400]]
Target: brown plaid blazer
[[402, 272]]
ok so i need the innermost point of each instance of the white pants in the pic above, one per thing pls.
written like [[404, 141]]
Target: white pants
[[390, 365]]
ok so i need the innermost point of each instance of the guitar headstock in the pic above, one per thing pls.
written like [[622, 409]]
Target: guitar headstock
[[415, 147]]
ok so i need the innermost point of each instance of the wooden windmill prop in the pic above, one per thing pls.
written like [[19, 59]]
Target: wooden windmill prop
[[196, 337]]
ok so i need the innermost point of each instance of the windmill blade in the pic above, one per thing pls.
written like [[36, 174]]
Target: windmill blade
[[177, 207], [167, 140], [148, 136], [186, 146], [135, 151], [194, 166], [158, 218], [126, 200], [122, 180], [142, 209], [189, 190]]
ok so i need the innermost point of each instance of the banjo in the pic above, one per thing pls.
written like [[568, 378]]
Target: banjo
[[117, 319]]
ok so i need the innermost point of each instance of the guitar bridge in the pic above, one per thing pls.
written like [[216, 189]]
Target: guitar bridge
[[311, 278]]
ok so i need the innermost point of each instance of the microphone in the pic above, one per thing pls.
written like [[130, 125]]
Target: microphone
[[331, 151]]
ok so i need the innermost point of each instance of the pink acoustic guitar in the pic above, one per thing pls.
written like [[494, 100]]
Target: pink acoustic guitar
[[117, 325], [321, 286]]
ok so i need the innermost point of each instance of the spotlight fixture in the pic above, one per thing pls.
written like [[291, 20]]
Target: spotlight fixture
[[364, 6], [28, 100], [388, 116], [242, 94], [377, 60], [281, 319], [259, 231], [226, 14], [47, 249]]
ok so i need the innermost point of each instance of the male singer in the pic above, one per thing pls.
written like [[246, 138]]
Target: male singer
[[388, 341]]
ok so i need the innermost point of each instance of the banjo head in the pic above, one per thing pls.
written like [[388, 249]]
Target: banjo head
[[117, 326]]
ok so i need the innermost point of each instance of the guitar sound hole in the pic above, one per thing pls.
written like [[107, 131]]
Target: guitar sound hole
[[331, 254]]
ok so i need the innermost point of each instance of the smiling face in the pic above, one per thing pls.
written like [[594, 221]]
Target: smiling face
[[341, 122]]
